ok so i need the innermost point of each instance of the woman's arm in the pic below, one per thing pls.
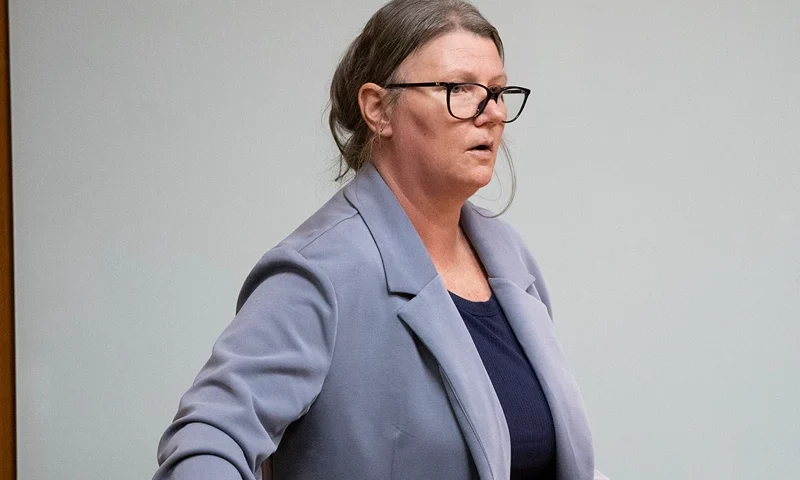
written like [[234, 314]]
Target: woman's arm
[[265, 371]]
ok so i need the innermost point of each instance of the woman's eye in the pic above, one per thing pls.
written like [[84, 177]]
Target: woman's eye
[[457, 89]]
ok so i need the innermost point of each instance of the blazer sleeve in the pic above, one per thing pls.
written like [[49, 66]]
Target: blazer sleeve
[[265, 371]]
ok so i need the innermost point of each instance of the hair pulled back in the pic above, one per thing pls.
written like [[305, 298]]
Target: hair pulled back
[[393, 33]]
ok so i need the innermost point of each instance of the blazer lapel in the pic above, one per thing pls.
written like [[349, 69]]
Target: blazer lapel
[[515, 289], [431, 315], [533, 328]]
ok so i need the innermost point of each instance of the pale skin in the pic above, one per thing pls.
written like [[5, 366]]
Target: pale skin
[[427, 157]]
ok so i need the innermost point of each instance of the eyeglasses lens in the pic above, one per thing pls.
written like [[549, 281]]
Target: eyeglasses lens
[[466, 100]]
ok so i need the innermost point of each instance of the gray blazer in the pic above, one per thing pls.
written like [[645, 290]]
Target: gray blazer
[[347, 359]]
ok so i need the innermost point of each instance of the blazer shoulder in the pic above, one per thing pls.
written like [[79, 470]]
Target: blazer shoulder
[[320, 224], [336, 241]]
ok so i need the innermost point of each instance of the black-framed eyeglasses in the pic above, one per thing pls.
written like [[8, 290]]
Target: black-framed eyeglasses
[[466, 100]]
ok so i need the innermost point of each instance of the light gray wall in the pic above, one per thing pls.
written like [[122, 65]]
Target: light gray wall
[[160, 147]]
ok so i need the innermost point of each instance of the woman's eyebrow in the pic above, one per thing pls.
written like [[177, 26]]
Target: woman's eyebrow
[[503, 78]]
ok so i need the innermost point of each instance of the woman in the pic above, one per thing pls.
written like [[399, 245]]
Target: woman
[[399, 332]]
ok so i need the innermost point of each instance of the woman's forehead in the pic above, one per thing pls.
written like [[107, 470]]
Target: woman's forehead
[[456, 56]]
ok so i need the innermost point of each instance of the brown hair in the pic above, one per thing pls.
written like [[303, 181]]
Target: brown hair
[[393, 33]]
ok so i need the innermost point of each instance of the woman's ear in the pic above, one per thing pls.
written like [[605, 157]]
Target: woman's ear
[[372, 101]]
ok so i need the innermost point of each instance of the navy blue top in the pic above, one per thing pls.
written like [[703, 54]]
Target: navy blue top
[[530, 423]]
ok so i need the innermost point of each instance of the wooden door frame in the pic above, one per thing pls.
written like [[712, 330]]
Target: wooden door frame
[[8, 443]]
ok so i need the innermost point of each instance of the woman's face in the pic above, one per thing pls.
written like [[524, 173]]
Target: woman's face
[[431, 148]]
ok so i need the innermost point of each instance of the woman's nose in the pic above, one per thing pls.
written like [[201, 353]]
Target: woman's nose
[[493, 110]]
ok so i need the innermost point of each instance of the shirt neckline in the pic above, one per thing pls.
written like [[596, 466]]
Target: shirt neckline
[[489, 308]]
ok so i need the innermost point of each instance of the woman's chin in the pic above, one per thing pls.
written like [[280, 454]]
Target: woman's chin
[[481, 175], [476, 179]]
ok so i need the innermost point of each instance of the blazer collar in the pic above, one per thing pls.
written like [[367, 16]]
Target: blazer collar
[[406, 262], [494, 243]]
